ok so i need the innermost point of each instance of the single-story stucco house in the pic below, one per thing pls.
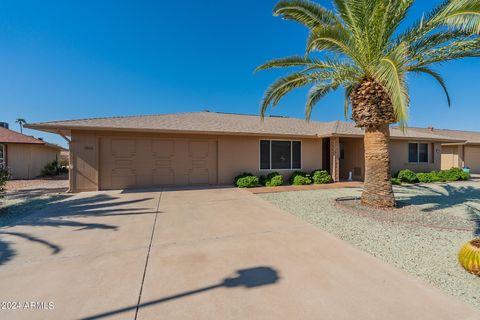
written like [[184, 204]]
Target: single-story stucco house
[[211, 148], [25, 156], [460, 154]]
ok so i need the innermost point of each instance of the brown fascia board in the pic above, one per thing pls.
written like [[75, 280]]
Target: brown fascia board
[[57, 129], [32, 143], [398, 138]]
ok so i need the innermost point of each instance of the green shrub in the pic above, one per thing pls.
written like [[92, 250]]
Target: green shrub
[[321, 176], [246, 180], [396, 181], [4, 177], [274, 179], [457, 174], [51, 169], [300, 178], [426, 177], [407, 176], [453, 174], [435, 177]]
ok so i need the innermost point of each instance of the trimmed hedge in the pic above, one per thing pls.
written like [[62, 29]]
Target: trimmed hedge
[[246, 180], [321, 176], [274, 179], [299, 178], [407, 176], [453, 174], [426, 177]]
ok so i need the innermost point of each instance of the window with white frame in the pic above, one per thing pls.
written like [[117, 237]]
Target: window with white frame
[[3, 155], [418, 152], [279, 154]]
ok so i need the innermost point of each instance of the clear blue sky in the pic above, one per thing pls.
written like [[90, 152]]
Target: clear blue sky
[[77, 59]]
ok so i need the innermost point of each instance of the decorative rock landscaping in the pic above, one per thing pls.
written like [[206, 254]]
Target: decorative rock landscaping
[[422, 236]]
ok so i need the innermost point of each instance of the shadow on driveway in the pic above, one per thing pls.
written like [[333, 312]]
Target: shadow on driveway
[[247, 278], [60, 214]]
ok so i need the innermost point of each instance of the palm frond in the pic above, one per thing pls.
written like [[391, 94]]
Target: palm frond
[[391, 74], [435, 40], [344, 12], [437, 77], [331, 39], [461, 14], [468, 48], [316, 93], [284, 85], [308, 13], [294, 61], [349, 88]]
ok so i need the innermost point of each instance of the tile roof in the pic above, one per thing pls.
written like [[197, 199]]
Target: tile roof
[[471, 137], [226, 123], [10, 136]]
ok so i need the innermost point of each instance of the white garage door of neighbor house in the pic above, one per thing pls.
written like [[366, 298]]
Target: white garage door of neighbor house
[[144, 162], [472, 158]]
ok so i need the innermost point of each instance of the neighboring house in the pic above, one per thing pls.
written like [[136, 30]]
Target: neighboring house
[[461, 154], [212, 148], [24, 155]]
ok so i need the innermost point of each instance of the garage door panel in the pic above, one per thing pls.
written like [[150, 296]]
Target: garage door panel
[[198, 176], [199, 149], [123, 178], [163, 177], [163, 148], [123, 147], [144, 162]]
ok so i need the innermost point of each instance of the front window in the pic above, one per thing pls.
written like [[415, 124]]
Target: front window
[[276, 154], [418, 152], [2, 156]]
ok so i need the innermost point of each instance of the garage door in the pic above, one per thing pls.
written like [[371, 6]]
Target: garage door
[[144, 162], [472, 158]]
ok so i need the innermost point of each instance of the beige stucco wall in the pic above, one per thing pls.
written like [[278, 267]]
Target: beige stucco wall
[[242, 154], [26, 161], [452, 157], [472, 158], [235, 154], [399, 157]]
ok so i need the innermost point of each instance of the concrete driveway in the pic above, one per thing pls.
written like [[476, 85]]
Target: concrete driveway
[[197, 254]]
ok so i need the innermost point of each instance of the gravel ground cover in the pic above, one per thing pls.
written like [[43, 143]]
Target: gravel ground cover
[[422, 236], [24, 197]]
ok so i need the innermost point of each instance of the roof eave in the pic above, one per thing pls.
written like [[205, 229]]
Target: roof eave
[[67, 131]]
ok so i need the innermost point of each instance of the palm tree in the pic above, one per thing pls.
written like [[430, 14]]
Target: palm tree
[[359, 47], [21, 122]]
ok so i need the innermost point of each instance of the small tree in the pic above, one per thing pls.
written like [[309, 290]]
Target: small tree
[[21, 122]]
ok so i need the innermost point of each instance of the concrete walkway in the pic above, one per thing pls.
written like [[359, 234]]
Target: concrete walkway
[[289, 188], [198, 254]]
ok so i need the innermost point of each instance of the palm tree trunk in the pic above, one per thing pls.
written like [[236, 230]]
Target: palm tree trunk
[[377, 190]]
